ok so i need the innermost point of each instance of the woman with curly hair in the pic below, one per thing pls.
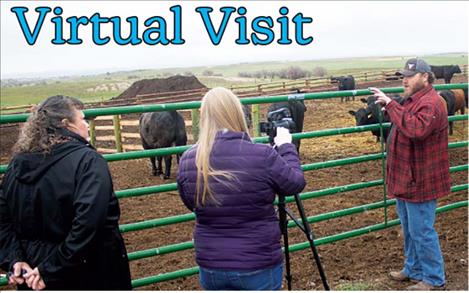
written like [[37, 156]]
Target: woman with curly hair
[[58, 211]]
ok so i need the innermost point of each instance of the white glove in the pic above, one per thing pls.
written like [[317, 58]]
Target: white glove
[[283, 136]]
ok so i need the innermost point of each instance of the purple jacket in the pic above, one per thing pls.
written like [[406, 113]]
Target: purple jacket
[[242, 232]]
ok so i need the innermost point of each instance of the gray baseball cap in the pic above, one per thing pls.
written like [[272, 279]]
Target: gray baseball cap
[[414, 66]]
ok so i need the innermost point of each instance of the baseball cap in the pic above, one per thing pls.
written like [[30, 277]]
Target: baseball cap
[[414, 66]]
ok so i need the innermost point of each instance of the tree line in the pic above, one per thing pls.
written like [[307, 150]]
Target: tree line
[[291, 72]]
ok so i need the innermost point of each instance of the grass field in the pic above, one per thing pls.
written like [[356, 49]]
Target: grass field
[[91, 88]]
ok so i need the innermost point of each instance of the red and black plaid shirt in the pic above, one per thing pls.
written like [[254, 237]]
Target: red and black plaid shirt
[[417, 159]]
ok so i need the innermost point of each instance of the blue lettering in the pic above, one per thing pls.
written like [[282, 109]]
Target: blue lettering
[[177, 40], [257, 28], [58, 37], [299, 20], [284, 40], [31, 37], [133, 37], [160, 30], [74, 24], [242, 39], [96, 20], [215, 37]]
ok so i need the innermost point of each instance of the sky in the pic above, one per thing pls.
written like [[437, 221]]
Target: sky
[[340, 29]]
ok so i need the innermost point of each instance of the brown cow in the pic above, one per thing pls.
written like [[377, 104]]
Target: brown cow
[[459, 101]]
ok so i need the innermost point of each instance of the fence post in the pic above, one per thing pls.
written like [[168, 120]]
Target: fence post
[[195, 124], [259, 89], [366, 76], [117, 132], [383, 166], [255, 120], [307, 84], [92, 132]]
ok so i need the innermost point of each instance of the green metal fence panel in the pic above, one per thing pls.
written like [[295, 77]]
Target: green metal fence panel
[[180, 149], [196, 104], [365, 230], [295, 247], [292, 248], [138, 191], [307, 167], [306, 195], [341, 162], [160, 250], [313, 219], [165, 277], [157, 222]]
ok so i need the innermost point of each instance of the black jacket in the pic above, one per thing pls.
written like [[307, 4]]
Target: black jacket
[[59, 212]]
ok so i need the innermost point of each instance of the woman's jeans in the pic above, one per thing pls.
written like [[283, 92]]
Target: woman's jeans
[[264, 279], [424, 260]]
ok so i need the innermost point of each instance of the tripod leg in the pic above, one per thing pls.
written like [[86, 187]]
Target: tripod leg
[[309, 235], [282, 215]]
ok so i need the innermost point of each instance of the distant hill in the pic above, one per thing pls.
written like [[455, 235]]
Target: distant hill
[[101, 87]]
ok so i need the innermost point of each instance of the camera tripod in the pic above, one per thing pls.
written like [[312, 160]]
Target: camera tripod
[[304, 226]]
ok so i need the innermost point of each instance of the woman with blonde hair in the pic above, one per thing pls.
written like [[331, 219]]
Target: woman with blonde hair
[[230, 183], [58, 211]]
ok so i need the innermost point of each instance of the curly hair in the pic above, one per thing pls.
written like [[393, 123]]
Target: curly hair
[[41, 132]]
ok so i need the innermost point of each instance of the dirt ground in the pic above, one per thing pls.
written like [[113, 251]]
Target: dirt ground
[[359, 263], [160, 85]]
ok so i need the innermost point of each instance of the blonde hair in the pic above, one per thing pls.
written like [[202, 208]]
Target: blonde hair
[[220, 109]]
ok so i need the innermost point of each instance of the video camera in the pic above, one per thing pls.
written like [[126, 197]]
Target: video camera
[[277, 118]]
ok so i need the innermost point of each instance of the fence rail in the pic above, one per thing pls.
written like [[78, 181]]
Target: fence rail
[[304, 196], [259, 89], [92, 113], [304, 135], [148, 224], [294, 247]]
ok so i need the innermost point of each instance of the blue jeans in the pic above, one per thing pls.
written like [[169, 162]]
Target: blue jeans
[[264, 279], [424, 260]]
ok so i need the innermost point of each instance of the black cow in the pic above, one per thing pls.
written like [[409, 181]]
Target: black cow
[[369, 115], [445, 71], [345, 83], [297, 109], [160, 130], [450, 106], [248, 115]]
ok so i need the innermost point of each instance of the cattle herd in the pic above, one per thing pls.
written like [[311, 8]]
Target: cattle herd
[[166, 129]]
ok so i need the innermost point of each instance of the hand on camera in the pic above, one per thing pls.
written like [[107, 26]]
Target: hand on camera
[[283, 136]]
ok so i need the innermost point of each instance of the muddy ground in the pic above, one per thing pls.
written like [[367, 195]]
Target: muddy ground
[[361, 262]]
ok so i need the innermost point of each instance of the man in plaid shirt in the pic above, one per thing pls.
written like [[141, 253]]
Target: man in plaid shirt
[[418, 171]]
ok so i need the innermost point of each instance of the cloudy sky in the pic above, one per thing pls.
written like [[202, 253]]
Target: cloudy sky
[[339, 29]]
